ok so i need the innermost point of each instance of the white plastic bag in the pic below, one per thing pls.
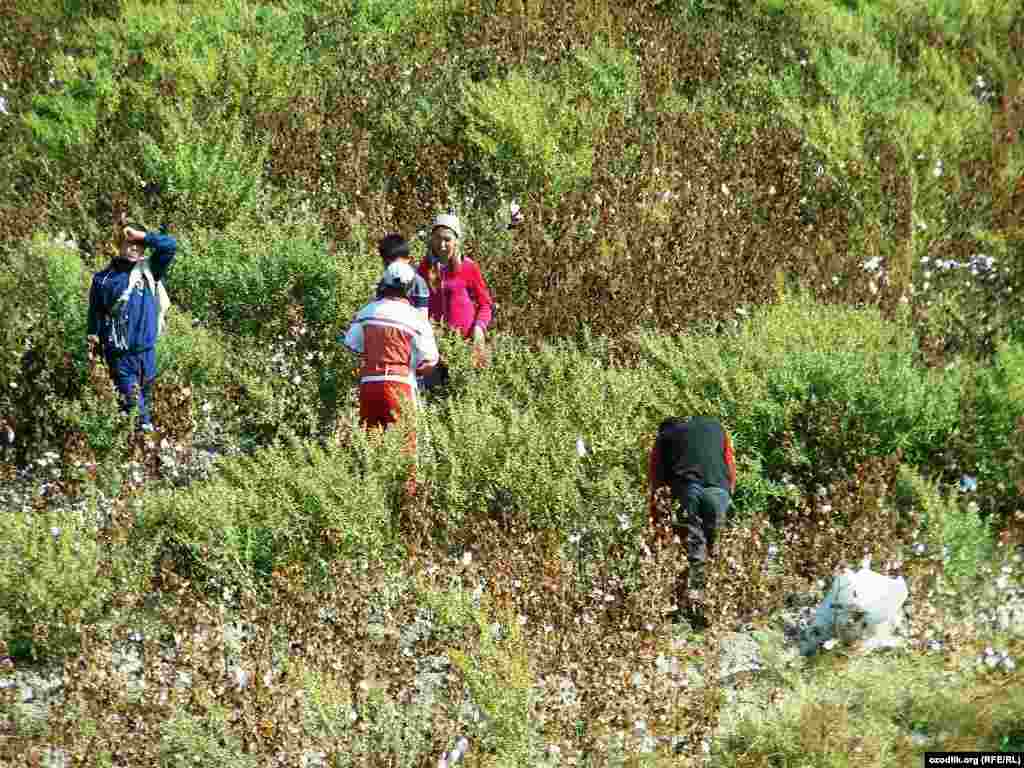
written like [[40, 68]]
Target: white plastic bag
[[862, 606]]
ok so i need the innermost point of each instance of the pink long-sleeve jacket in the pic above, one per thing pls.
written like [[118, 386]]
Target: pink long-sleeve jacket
[[461, 299]]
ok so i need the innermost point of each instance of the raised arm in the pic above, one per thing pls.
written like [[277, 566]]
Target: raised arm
[[164, 247]]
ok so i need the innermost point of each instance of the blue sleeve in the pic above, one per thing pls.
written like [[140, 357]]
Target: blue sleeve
[[95, 307], [164, 247]]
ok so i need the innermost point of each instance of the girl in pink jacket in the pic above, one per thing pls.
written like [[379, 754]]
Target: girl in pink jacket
[[458, 292]]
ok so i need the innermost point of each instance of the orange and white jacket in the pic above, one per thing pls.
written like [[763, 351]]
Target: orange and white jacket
[[395, 341]]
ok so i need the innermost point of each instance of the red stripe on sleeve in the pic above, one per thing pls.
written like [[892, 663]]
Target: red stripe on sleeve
[[730, 462]]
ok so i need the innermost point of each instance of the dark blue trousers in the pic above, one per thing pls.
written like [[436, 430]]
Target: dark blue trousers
[[132, 375], [701, 513]]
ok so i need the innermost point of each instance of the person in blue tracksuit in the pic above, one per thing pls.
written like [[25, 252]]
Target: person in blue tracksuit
[[125, 327]]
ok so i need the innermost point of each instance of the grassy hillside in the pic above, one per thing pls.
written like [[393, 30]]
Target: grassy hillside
[[801, 217]]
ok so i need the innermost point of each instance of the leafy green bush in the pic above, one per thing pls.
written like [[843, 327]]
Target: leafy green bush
[[375, 22], [290, 504], [535, 132], [811, 390], [58, 572], [874, 709], [188, 740], [952, 531], [43, 365], [201, 53], [209, 169], [992, 439], [241, 276], [508, 449], [500, 680], [200, 355]]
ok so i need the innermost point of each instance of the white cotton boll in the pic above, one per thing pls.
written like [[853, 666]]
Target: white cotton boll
[[581, 447], [467, 557]]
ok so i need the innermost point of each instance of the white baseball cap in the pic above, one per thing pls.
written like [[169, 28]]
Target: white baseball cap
[[398, 275], [448, 220]]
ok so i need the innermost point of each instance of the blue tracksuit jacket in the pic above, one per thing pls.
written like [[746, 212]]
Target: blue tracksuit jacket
[[134, 369]]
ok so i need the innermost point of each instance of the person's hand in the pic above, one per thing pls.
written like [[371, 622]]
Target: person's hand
[[480, 358], [134, 235]]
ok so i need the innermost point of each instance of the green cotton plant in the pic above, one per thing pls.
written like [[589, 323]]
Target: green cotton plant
[[292, 503], [238, 277], [995, 410], [201, 51], [496, 669], [951, 529], [205, 741], [374, 22], [835, 381], [534, 130], [210, 170], [43, 364], [57, 573]]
